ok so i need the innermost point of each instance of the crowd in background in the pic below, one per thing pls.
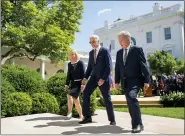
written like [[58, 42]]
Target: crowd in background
[[162, 84]]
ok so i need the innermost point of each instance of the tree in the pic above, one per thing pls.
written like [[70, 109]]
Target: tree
[[180, 68], [162, 62], [39, 27]]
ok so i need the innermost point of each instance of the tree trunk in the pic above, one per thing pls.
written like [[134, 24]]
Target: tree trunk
[[4, 59]]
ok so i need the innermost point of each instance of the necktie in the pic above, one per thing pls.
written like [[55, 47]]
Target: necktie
[[125, 55], [94, 56]]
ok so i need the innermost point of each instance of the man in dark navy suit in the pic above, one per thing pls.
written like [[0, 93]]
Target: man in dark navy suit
[[99, 68], [132, 71]]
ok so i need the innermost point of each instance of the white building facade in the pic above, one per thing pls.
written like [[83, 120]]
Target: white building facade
[[163, 29]]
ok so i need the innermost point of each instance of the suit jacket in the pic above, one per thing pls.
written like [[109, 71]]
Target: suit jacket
[[75, 72], [135, 71], [103, 66]]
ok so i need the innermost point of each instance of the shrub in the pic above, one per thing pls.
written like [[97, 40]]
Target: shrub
[[56, 84], [173, 100], [16, 104], [115, 91], [44, 103], [93, 103], [101, 101], [23, 79], [98, 92], [6, 88]]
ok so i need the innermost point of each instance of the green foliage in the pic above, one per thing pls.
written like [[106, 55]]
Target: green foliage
[[6, 87], [93, 103], [55, 85], [173, 100], [16, 104], [115, 91], [98, 92], [34, 28], [180, 66], [162, 62], [44, 103], [23, 79]]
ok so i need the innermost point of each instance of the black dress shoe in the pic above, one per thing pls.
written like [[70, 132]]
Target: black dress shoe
[[142, 127], [138, 129], [113, 123], [86, 120]]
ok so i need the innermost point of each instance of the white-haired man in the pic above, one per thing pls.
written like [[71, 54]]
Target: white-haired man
[[131, 70], [99, 68]]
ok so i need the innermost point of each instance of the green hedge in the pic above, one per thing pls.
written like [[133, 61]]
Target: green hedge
[[98, 92], [55, 85], [15, 104], [115, 91], [23, 79], [6, 87], [173, 100], [44, 103]]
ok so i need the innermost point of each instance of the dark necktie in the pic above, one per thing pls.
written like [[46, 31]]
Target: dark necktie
[[125, 55], [94, 56]]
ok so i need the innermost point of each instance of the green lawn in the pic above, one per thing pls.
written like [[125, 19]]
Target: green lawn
[[163, 112]]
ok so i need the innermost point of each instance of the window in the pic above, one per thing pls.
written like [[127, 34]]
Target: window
[[133, 41], [149, 37], [101, 44], [112, 45], [169, 51], [167, 33]]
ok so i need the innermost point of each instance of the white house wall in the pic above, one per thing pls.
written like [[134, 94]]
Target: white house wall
[[138, 27]]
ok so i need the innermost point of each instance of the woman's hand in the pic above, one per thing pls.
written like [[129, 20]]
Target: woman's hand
[[82, 88], [66, 88]]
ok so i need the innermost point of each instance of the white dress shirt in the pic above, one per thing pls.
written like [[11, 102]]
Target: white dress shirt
[[127, 51], [97, 50]]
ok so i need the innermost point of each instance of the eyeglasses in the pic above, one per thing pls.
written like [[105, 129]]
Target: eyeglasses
[[92, 42]]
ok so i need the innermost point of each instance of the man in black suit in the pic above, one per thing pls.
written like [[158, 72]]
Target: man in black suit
[[99, 68], [132, 71]]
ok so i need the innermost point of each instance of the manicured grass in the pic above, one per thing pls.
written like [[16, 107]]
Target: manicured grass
[[163, 112]]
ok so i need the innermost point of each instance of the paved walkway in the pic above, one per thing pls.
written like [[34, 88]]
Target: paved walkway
[[55, 124]]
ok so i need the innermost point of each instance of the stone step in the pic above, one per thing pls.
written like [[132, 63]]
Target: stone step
[[141, 105], [140, 102]]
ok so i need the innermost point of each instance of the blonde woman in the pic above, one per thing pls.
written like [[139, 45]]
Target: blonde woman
[[75, 74]]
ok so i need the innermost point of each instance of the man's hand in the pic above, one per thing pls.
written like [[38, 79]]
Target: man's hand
[[146, 85], [83, 81], [100, 82], [117, 86]]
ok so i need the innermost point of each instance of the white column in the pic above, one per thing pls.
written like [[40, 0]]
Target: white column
[[42, 68], [12, 61], [66, 66], [182, 40]]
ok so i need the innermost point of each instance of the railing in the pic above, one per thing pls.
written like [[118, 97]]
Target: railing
[[147, 15], [172, 8], [130, 20], [176, 7]]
